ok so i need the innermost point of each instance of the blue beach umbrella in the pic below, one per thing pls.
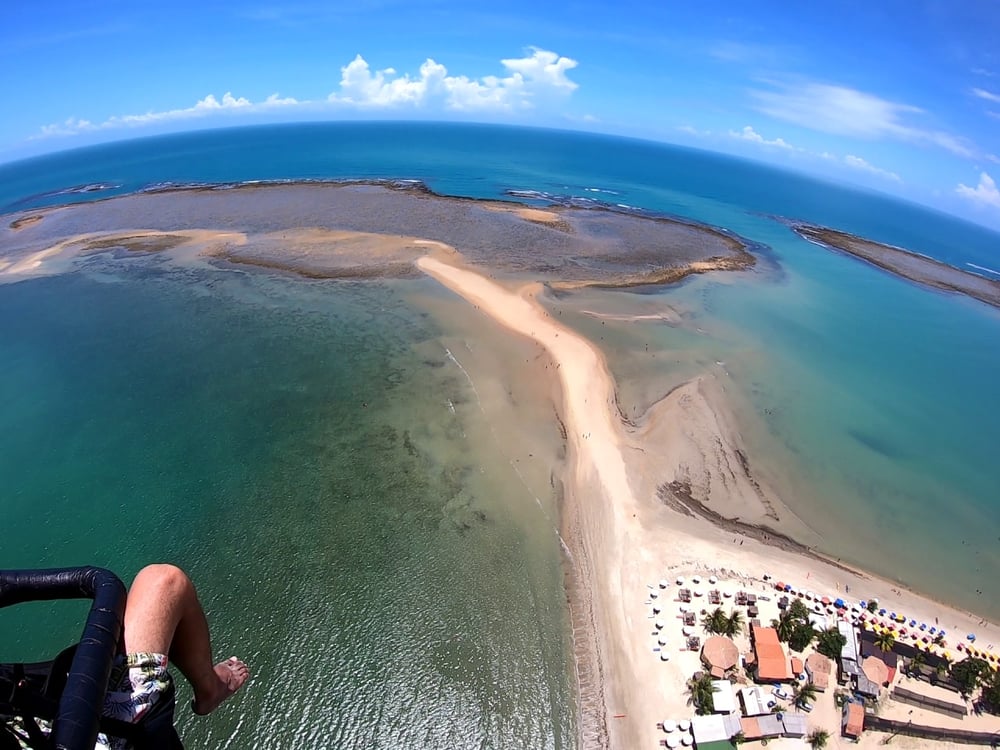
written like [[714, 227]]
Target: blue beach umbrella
[[941, 632], [913, 623], [863, 604], [923, 626], [839, 603], [882, 611], [971, 636], [933, 630]]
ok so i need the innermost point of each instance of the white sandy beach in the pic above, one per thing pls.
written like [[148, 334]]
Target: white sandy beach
[[625, 540]]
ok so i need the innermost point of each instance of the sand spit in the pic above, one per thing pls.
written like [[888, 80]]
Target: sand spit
[[909, 265], [671, 494]]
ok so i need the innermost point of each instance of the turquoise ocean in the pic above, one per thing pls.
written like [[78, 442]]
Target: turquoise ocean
[[300, 446]]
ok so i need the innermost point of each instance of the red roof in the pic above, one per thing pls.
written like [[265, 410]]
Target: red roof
[[772, 666], [854, 720], [796, 665]]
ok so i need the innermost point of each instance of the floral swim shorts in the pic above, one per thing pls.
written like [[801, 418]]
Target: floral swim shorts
[[138, 682]]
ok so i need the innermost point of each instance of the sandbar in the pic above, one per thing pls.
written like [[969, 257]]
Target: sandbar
[[905, 263]]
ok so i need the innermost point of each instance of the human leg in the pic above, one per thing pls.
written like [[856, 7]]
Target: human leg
[[163, 615]]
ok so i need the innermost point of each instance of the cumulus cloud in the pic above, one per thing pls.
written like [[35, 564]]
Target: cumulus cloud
[[534, 80], [845, 111], [985, 193], [856, 162], [749, 134], [528, 81]]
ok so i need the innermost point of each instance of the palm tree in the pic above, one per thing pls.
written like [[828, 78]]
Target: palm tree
[[700, 690], [829, 642], [805, 692], [785, 625], [917, 662], [715, 622], [734, 623], [818, 739], [884, 641], [799, 610]]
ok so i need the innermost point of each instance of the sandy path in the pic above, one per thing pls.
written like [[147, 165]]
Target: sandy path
[[627, 541]]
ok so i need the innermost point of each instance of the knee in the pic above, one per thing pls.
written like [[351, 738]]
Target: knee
[[164, 576]]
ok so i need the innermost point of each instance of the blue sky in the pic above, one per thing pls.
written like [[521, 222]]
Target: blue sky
[[902, 97]]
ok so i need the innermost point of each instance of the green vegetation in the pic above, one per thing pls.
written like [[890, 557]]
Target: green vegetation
[[805, 692], [700, 693], [884, 641], [818, 739], [830, 642], [793, 626], [991, 693], [969, 674], [719, 623]]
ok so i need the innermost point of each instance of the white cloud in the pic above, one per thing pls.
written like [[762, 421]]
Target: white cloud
[[535, 80], [985, 192], [987, 95], [856, 162], [529, 80], [208, 105], [749, 134], [845, 111]]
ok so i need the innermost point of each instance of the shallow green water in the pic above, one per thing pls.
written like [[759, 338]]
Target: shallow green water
[[274, 437]]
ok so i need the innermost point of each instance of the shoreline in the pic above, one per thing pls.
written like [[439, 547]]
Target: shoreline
[[623, 537]]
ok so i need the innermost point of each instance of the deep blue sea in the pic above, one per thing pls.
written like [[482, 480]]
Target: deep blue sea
[[358, 555]]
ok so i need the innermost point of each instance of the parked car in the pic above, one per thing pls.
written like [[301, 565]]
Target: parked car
[[781, 692]]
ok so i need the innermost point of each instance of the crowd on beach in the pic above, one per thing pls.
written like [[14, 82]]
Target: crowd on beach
[[879, 663]]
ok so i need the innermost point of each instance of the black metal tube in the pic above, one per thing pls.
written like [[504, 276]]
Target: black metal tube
[[76, 724]]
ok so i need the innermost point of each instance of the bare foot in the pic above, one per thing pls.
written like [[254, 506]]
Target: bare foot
[[232, 673]]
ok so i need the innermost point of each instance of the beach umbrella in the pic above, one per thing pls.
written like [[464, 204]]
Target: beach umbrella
[[841, 604], [663, 583], [788, 589], [669, 725], [686, 739], [727, 594], [882, 611], [923, 626], [712, 579], [863, 604], [932, 630], [684, 725], [697, 592], [687, 630], [942, 633], [695, 579], [673, 741], [875, 670], [680, 580], [960, 646], [826, 600], [659, 624], [656, 609], [779, 586], [971, 636], [664, 656]]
